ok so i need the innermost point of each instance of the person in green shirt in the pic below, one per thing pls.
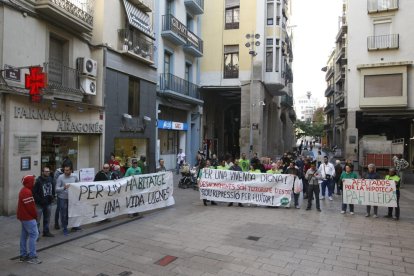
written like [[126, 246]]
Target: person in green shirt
[[244, 163], [142, 164], [392, 175], [275, 169], [222, 165], [347, 174], [134, 170]]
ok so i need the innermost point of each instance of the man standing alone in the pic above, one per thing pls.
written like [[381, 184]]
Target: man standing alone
[[43, 193]]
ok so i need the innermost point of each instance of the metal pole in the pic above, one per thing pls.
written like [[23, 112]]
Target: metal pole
[[251, 107]]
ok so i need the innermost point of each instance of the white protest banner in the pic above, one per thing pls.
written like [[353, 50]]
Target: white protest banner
[[96, 201], [375, 192], [243, 187]]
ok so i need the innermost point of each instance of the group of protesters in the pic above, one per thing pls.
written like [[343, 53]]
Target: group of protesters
[[319, 176]]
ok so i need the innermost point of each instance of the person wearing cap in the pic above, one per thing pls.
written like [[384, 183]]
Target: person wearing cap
[[392, 175], [26, 213], [372, 174], [134, 170]]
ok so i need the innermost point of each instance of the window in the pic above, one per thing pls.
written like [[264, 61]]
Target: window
[[169, 7], [167, 63], [231, 61], [277, 54], [232, 14], [133, 97], [270, 12], [190, 23], [278, 14], [269, 55], [187, 72], [383, 85]]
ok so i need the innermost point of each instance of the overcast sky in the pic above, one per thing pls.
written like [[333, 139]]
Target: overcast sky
[[313, 40]]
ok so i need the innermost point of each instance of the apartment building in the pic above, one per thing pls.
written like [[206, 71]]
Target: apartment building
[[305, 107], [124, 33], [246, 77], [373, 73], [179, 106], [51, 103]]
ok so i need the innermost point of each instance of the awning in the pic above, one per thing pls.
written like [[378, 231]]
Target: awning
[[138, 19]]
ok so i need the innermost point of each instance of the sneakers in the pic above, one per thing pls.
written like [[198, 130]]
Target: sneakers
[[65, 232], [34, 260], [330, 198], [322, 198], [351, 213], [23, 259], [342, 212], [48, 234], [319, 210], [367, 215], [297, 207], [375, 216], [395, 218], [307, 209]]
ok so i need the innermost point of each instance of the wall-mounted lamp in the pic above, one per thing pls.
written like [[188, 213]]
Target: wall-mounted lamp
[[262, 103]]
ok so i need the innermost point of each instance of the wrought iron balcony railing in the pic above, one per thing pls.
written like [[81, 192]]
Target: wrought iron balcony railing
[[135, 44], [375, 6], [73, 13], [63, 80], [195, 6], [329, 108], [381, 42], [178, 85], [174, 29], [286, 100], [194, 44]]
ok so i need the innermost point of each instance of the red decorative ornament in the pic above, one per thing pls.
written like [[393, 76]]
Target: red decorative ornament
[[34, 81]]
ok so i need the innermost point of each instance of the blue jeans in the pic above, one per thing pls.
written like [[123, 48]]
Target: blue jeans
[[327, 183], [57, 211], [29, 231], [64, 213], [46, 211]]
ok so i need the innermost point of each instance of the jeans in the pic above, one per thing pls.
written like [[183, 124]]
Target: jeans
[[375, 209], [327, 183], [397, 209], [64, 213], [46, 211], [178, 168], [313, 190], [57, 211], [29, 231], [305, 183]]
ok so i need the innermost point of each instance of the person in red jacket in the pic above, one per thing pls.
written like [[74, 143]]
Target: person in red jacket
[[26, 213]]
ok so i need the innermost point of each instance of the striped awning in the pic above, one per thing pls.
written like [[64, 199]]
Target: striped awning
[[138, 19]]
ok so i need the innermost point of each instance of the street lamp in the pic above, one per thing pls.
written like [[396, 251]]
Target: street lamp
[[251, 44]]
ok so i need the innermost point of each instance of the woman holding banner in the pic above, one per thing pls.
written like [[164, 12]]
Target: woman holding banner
[[206, 165], [347, 174]]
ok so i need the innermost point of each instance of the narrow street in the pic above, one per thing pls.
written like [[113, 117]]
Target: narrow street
[[221, 240]]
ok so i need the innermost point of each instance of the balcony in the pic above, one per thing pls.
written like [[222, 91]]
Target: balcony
[[383, 42], [175, 87], [144, 5], [286, 101], [329, 108], [173, 30], [329, 90], [329, 73], [377, 6], [194, 45], [195, 6], [135, 46], [62, 82], [341, 55], [328, 127], [74, 14], [339, 97]]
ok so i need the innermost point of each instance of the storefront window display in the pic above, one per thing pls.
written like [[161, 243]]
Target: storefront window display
[[128, 149], [56, 147]]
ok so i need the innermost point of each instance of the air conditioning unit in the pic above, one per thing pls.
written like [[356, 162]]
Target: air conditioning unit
[[87, 66], [88, 85]]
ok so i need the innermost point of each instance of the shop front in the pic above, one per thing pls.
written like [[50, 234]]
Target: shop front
[[44, 134], [172, 138]]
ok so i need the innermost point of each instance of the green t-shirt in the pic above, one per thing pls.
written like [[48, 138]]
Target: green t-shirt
[[222, 168], [133, 171], [274, 172], [351, 175], [244, 164], [396, 178], [255, 171]]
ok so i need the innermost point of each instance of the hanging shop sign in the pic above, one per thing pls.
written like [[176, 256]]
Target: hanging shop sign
[[63, 119], [172, 125]]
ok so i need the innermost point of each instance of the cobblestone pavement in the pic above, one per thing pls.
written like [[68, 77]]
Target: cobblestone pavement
[[221, 240]]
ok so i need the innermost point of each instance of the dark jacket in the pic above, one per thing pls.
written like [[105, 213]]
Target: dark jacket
[[236, 168], [44, 191], [373, 175], [102, 176]]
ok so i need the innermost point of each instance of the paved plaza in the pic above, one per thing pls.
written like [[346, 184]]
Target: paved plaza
[[221, 240]]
